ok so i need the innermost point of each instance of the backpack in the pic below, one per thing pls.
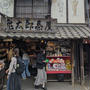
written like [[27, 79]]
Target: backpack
[[20, 67]]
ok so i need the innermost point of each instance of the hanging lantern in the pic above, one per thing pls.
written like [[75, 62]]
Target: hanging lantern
[[86, 41], [42, 41]]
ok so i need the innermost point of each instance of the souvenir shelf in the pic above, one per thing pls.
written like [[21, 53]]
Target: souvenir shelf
[[58, 65]]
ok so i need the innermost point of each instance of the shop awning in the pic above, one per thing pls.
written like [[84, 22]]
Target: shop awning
[[73, 32], [59, 32]]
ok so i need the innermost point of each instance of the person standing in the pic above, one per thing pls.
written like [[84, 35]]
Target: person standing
[[14, 82], [26, 61], [41, 78]]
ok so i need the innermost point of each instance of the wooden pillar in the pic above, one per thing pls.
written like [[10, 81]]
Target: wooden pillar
[[78, 60], [82, 64], [73, 65], [89, 64]]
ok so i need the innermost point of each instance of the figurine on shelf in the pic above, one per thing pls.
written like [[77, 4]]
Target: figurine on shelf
[[63, 66], [62, 61], [68, 65]]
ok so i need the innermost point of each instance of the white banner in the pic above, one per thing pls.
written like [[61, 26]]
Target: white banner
[[76, 11], [7, 7], [58, 10]]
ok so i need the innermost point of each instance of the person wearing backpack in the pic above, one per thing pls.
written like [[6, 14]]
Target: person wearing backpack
[[14, 82]]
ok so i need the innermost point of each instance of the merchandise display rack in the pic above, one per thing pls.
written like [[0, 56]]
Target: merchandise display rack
[[59, 71]]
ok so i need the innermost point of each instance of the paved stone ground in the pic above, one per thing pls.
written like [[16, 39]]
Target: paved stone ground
[[28, 84]]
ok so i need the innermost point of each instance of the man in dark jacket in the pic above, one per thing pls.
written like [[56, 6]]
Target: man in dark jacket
[[41, 78]]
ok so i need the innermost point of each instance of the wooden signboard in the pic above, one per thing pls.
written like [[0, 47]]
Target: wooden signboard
[[28, 24]]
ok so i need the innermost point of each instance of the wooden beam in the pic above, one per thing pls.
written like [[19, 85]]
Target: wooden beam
[[82, 64], [73, 65]]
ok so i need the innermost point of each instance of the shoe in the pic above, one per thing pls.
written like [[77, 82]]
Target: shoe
[[24, 78], [28, 76], [4, 86], [36, 87], [44, 88]]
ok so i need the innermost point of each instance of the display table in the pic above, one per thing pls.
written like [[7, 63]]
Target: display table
[[59, 72], [58, 65]]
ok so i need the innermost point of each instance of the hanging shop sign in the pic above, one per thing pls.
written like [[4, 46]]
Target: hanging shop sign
[[28, 24], [58, 10], [7, 7], [76, 11]]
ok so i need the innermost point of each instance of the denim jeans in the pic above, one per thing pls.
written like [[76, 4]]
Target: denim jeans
[[26, 72], [8, 83], [14, 82]]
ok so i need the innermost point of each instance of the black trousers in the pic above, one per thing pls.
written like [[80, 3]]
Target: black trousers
[[2, 76]]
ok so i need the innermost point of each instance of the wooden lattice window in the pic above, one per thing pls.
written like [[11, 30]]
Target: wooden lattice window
[[32, 8]]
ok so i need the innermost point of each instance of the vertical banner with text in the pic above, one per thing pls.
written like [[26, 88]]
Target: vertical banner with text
[[76, 11], [58, 10]]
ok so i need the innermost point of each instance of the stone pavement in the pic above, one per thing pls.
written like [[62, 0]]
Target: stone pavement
[[28, 84]]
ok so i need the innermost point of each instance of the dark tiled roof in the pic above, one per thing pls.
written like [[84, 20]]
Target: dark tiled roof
[[59, 32], [73, 32]]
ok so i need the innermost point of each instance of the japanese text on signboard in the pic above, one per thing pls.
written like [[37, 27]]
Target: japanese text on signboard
[[27, 24]]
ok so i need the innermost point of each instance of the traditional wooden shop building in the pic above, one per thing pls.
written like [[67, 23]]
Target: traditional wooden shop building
[[60, 23]]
